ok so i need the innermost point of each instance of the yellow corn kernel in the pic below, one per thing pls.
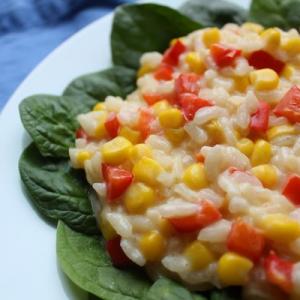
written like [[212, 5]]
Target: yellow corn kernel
[[264, 79], [241, 83], [277, 131], [116, 151], [194, 176], [195, 62], [152, 245], [211, 36], [175, 135], [106, 229], [233, 269], [215, 131], [82, 156], [199, 255], [138, 197], [280, 227], [131, 135], [291, 45], [139, 151], [246, 146], [254, 27], [147, 170], [99, 106], [160, 106], [267, 174], [272, 37], [100, 131], [288, 71], [171, 118], [261, 154]]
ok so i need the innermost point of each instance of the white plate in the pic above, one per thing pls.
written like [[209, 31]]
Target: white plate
[[28, 268]]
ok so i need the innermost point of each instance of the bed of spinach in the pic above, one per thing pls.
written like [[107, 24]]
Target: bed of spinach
[[60, 193]]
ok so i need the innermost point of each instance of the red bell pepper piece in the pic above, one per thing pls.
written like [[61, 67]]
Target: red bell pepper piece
[[206, 215], [200, 158], [145, 122], [224, 56], [261, 59], [164, 72], [190, 104], [187, 83], [112, 125], [291, 189], [259, 122], [81, 134], [279, 271], [245, 240], [289, 105], [171, 55], [117, 181], [116, 253], [151, 99]]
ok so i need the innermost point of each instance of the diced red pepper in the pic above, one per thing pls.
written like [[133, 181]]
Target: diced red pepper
[[164, 72], [259, 122], [261, 59], [81, 134], [206, 215], [224, 56], [116, 253], [289, 105], [291, 189], [190, 104], [112, 125], [279, 271], [117, 181], [171, 55], [145, 122], [151, 99], [200, 158], [187, 83], [244, 239]]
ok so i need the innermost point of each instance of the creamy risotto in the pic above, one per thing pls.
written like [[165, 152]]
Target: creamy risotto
[[198, 171]]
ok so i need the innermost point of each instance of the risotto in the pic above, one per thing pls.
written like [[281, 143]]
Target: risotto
[[198, 171]]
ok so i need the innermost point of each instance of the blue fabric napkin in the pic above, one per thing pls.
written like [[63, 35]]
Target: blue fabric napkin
[[30, 29]]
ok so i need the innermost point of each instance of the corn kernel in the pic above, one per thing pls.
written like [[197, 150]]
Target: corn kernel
[[272, 37], [280, 227], [277, 131], [106, 229], [291, 45], [264, 79], [99, 106], [152, 245], [215, 131], [194, 176], [147, 170], [100, 131], [261, 154], [116, 151], [82, 156], [246, 146], [144, 70], [131, 135], [254, 27], [175, 135], [160, 106], [211, 36], [139, 151], [267, 174], [233, 269], [199, 255], [288, 71], [138, 198], [241, 83], [195, 62], [171, 118]]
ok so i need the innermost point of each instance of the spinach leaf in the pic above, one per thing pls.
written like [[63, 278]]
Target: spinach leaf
[[166, 289], [214, 12], [139, 28], [85, 261], [51, 122], [281, 13], [116, 81], [57, 191], [233, 293]]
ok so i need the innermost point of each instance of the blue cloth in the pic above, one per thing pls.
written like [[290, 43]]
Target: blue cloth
[[30, 29]]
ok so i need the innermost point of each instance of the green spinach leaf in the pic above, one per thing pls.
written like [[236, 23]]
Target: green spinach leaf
[[57, 191], [233, 293], [281, 13], [214, 12], [85, 261], [140, 28]]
